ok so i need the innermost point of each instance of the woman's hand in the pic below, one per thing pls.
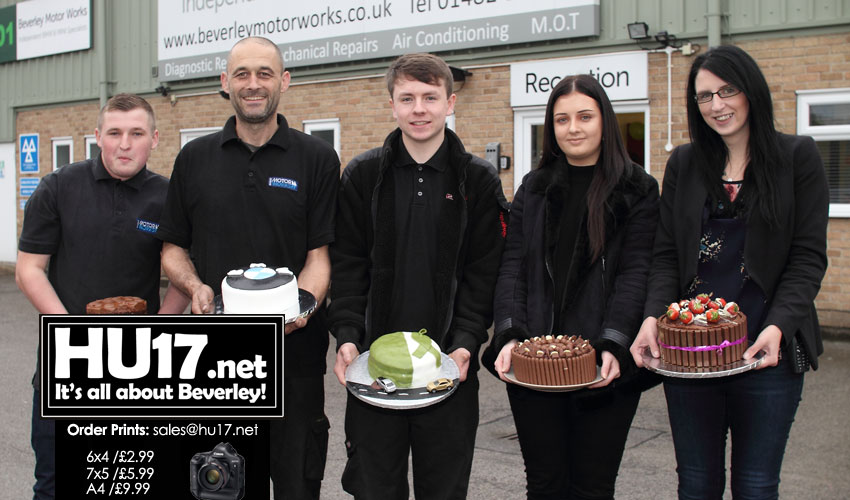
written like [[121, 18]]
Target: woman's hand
[[647, 338], [610, 370], [769, 341], [503, 360]]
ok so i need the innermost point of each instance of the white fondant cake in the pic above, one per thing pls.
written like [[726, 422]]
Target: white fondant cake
[[410, 359], [258, 289]]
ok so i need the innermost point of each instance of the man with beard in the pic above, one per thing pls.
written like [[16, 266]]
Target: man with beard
[[258, 191]]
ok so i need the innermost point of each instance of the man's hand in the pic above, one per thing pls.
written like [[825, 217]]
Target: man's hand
[[202, 300], [181, 273], [295, 325], [344, 356], [461, 358], [647, 338], [503, 360]]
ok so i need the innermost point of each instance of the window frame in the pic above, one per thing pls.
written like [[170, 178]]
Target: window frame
[[332, 124], [90, 139], [189, 134], [807, 98], [62, 141]]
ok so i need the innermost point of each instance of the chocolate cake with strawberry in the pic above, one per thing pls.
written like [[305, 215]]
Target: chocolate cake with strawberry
[[702, 332]]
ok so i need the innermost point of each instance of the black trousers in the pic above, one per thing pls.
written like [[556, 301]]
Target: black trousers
[[299, 442], [572, 443], [441, 438]]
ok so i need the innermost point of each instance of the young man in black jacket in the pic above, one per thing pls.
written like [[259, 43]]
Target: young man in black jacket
[[418, 242]]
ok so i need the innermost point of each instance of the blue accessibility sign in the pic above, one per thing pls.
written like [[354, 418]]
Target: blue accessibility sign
[[28, 145]]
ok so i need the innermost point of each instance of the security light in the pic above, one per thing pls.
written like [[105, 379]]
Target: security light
[[638, 31]]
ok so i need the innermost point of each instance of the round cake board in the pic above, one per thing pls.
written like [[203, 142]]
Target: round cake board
[[660, 367], [553, 388], [306, 301], [358, 382]]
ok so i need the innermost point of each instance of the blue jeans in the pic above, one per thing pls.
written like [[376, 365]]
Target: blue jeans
[[758, 406], [43, 439]]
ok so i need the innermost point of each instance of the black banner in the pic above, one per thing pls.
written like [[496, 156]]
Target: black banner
[[161, 366]]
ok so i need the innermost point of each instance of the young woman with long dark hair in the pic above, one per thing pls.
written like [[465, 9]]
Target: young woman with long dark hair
[[576, 257], [744, 211]]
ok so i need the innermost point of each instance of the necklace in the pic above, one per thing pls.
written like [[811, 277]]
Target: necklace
[[738, 172]]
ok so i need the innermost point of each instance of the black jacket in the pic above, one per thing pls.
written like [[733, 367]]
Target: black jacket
[[604, 298], [469, 249], [787, 263]]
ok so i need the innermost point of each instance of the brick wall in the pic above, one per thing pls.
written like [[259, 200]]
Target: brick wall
[[483, 114]]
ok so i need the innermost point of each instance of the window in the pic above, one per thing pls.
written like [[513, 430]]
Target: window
[[63, 151], [326, 129], [92, 149], [825, 116], [187, 134]]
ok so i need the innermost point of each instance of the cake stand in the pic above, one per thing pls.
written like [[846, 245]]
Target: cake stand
[[660, 367], [306, 301], [359, 383], [553, 388]]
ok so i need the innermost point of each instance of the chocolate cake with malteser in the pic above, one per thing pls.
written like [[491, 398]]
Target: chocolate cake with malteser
[[554, 360], [702, 333], [118, 305]]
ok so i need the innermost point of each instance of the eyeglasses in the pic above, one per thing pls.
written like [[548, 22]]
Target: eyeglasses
[[724, 93]]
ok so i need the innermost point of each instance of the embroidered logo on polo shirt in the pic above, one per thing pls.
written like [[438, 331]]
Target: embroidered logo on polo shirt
[[283, 182], [146, 226], [450, 197]]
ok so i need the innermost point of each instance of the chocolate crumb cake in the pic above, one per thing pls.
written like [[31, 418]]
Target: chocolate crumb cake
[[118, 305], [551, 360]]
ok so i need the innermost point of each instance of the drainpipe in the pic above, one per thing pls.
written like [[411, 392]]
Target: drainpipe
[[714, 21], [669, 51], [102, 47]]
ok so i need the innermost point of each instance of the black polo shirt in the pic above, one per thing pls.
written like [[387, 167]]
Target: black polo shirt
[[420, 190], [99, 232], [231, 206]]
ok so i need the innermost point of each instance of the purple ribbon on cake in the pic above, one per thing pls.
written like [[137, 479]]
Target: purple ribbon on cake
[[720, 347]]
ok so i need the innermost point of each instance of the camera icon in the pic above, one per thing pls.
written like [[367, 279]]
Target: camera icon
[[218, 474]]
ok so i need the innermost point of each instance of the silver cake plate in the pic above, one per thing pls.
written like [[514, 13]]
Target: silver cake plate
[[359, 383], [553, 388], [661, 367], [306, 303]]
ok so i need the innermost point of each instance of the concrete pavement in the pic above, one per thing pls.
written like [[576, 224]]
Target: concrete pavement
[[816, 466]]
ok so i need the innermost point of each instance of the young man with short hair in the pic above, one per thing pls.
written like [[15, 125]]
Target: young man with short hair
[[417, 246], [259, 191], [93, 223]]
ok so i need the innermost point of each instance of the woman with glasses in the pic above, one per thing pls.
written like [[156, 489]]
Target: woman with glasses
[[744, 212], [576, 257]]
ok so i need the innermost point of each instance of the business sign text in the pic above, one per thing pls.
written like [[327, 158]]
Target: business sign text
[[196, 35]]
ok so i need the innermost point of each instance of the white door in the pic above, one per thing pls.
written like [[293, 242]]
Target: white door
[[528, 135], [8, 203]]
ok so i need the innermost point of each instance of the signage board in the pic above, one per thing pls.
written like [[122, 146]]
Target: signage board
[[196, 35], [28, 185], [39, 28], [624, 76], [28, 146]]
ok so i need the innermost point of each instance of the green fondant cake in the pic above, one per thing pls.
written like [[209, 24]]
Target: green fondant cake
[[410, 359]]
